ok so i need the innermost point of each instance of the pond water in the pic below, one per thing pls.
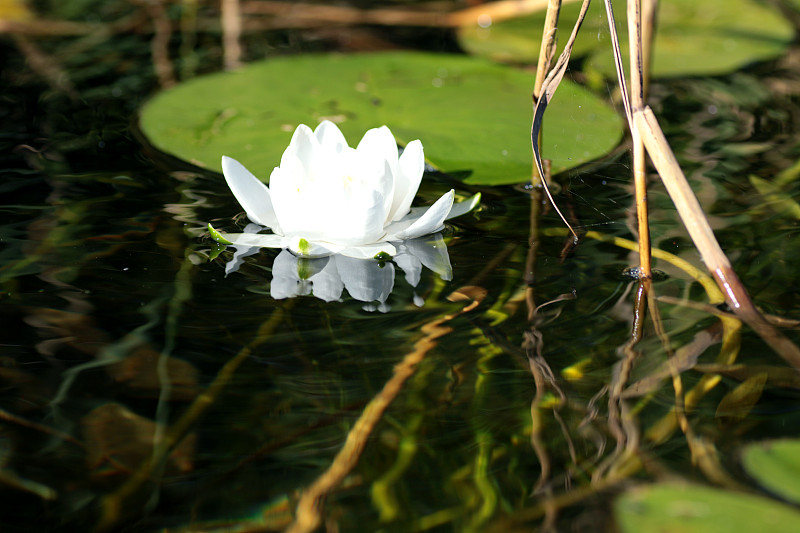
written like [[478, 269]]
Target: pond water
[[497, 400]]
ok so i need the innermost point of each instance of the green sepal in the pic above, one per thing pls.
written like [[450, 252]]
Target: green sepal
[[304, 246], [217, 236]]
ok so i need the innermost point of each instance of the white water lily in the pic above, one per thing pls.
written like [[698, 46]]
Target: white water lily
[[329, 198]]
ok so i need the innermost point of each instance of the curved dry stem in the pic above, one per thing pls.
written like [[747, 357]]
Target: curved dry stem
[[700, 231], [548, 89]]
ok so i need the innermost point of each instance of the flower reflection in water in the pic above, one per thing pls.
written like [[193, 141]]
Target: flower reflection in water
[[367, 280]]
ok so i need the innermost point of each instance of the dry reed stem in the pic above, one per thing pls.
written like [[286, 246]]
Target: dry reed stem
[[648, 20], [547, 51], [548, 47], [703, 237], [639, 162], [630, 100], [547, 90], [47, 27], [231, 19], [308, 516], [617, 55], [297, 15]]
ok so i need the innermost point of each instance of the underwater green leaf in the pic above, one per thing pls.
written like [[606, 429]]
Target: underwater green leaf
[[738, 403], [684, 508], [775, 465], [693, 38], [775, 198], [471, 115]]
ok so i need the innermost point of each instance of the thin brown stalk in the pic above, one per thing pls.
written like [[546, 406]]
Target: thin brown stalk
[[617, 55], [639, 162], [649, 15], [308, 515], [629, 100], [159, 44]]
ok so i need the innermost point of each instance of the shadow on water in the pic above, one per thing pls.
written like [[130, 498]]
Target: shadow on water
[[510, 399]]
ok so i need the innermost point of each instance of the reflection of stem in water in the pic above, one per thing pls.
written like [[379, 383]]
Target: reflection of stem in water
[[159, 45], [621, 423], [113, 353], [189, 57], [731, 330], [182, 293], [382, 491], [543, 377], [704, 453]]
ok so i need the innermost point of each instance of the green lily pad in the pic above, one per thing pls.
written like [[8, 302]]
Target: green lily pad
[[470, 114], [679, 508], [776, 466], [694, 37]]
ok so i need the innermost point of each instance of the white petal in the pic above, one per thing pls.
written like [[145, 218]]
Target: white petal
[[379, 143], [267, 240], [464, 207], [430, 222], [285, 280], [250, 192], [327, 285], [432, 252], [379, 149], [354, 221], [303, 146], [407, 178], [238, 257], [286, 185], [366, 280], [347, 205], [368, 251], [330, 136], [411, 266], [306, 248]]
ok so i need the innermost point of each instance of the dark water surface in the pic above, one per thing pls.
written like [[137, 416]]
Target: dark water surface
[[115, 321]]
